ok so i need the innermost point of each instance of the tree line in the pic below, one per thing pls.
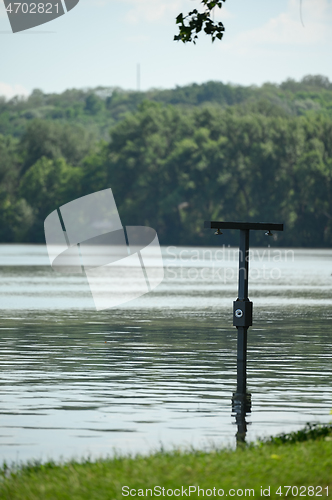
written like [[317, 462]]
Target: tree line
[[174, 162]]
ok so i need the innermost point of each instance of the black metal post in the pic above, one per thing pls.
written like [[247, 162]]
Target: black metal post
[[241, 401], [241, 387], [242, 314], [242, 296]]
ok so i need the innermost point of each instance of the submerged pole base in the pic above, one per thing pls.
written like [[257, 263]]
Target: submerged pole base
[[241, 403], [241, 406]]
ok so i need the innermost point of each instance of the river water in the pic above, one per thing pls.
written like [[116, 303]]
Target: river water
[[160, 371]]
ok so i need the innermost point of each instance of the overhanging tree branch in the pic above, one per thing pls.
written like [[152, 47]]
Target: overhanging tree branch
[[196, 21]]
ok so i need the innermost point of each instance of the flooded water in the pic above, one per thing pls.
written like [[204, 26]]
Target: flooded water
[[161, 370]]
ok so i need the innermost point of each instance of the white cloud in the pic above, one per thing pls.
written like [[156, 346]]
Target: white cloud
[[157, 10], [8, 91], [287, 29], [221, 14], [153, 10], [142, 4]]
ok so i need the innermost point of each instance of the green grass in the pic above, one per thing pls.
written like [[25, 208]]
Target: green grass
[[297, 459]]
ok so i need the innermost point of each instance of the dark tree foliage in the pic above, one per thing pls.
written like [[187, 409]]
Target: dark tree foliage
[[172, 170], [93, 104], [210, 151], [193, 23], [51, 140]]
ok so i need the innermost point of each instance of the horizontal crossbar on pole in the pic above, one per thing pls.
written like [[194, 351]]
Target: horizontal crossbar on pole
[[244, 225]]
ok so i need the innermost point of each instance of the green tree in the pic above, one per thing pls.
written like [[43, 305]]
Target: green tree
[[53, 140], [47, 185], [93, 104], [173, 170], [10, 164], [16, 216]]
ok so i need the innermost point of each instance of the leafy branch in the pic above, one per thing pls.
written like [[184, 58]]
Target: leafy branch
[[196, 21]]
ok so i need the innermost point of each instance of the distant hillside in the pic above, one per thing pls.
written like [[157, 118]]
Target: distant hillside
[[100, 108]]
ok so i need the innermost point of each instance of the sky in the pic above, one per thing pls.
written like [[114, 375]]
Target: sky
[[101, 42]]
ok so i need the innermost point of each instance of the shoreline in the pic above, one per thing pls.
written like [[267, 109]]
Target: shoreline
[[301, 460]]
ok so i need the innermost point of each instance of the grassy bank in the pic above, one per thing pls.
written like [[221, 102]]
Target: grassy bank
[[302, 460]]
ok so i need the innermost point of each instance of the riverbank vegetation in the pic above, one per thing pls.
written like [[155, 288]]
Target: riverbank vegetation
[[296, 464], [174, 158]]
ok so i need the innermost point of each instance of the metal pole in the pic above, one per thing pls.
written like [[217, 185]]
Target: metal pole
[[242, 315], [243, 296], [241, 402], [241, 360]]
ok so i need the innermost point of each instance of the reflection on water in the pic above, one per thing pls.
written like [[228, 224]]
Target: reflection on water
[[162, 370], [241, 407]]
